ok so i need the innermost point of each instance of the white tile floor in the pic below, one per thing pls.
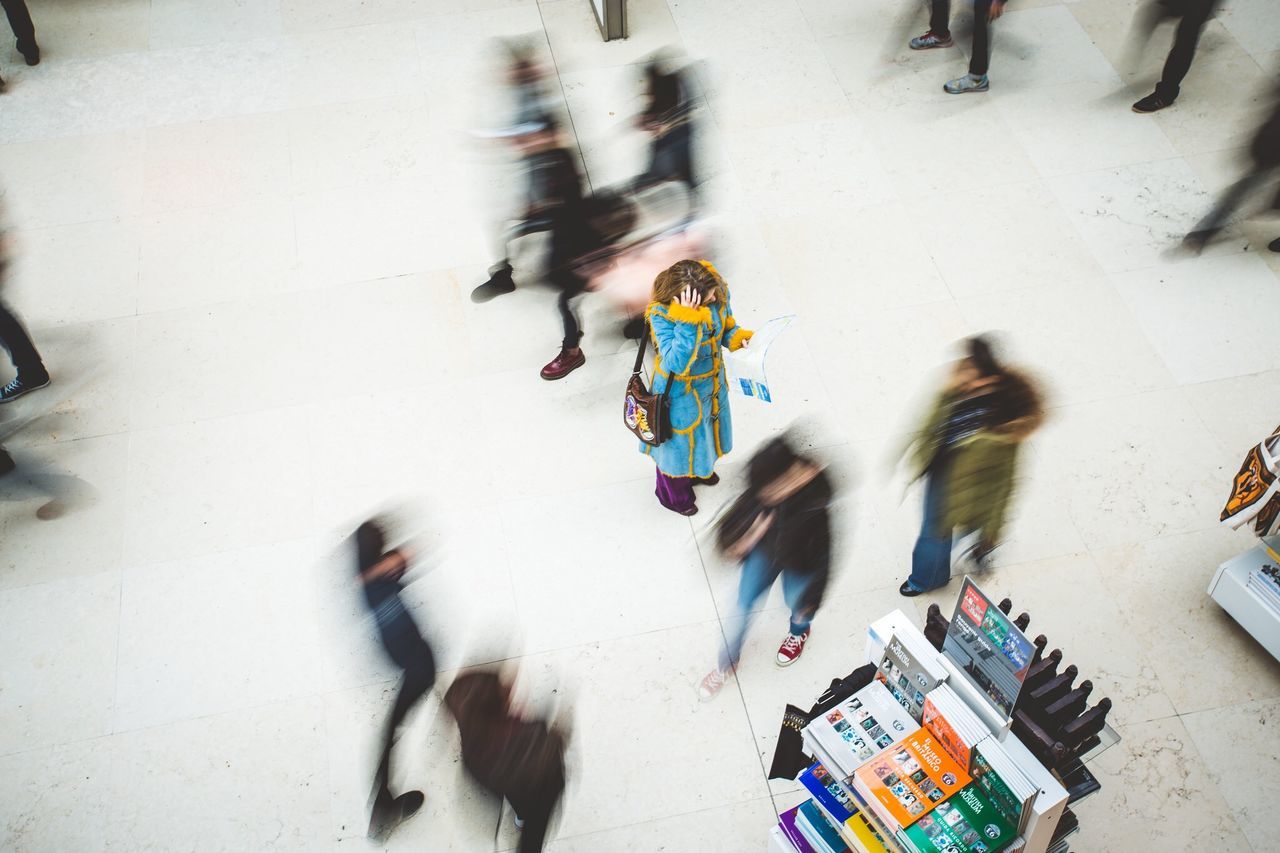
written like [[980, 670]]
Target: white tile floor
[[244, 236]]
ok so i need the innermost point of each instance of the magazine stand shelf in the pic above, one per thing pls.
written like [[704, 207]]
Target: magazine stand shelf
[[1238, 590], [1046, 822]]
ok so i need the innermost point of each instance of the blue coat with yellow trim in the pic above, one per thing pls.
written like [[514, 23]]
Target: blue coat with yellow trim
[[689, 365]]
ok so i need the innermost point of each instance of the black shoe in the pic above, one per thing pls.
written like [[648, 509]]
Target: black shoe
[[30, 54], [499, 282], [389, 814], [1274, 245], [19, 386], [1197, 240], [907, 590], [6, 462], [1151, 103]]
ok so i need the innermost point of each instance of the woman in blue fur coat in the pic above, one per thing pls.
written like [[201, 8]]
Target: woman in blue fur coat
[[690, 320]]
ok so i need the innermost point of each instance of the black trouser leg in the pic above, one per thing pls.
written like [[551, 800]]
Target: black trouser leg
[[20, 21], [22, 351], [980, 60], [567, 242], [416, 683], [536, 811], [940, 17], [1230, 201], [1185, 40]]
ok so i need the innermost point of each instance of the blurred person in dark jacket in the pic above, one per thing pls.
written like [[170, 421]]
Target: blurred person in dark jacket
[[507, 754], [380, 571], [1192, 15], [668, 119], [556, 204], [967, 451], [780, 526], [1264, 152]]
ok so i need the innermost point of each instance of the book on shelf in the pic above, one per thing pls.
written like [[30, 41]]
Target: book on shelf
[[818, 831], [859, 728], [787, 823], [966, 823], [957, 728], [909, 779], [909, 669], [1003, 783], [864, 835], [828, 792]]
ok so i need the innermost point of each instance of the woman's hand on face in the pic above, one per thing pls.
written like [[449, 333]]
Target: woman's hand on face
[[689, 298]]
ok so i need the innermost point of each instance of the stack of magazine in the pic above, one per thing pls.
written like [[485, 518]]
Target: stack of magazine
[[957, 728], [908, 780], [910, 670], [1005, 785], [861, 727], [1264, 582]]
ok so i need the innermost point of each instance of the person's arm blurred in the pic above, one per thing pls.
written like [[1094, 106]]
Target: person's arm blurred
[[393, 562], [996, 10]]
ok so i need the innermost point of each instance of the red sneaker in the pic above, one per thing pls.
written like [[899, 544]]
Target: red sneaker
[[712, 683], [792, 647], [565, 363]]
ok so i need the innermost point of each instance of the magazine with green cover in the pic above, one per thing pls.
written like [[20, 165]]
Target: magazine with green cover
[[967, 822]]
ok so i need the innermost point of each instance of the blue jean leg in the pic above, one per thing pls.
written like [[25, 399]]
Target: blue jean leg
[[758, 574], [931, 558], [794, 586]]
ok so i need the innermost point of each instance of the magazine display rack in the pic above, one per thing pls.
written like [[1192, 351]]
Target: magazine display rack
[[1248, 587], [945, 752]]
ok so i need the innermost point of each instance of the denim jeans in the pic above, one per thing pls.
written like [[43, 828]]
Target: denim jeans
[[758, 574], [931, 558]]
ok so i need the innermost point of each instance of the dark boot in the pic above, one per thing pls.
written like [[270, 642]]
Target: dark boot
[[30, 52], [1274, 245], [499, 282], [569, 360]]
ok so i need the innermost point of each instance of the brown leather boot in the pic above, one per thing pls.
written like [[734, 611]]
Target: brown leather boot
[[565, 363]]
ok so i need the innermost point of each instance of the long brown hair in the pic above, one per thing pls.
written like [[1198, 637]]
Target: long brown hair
[[699, 274]]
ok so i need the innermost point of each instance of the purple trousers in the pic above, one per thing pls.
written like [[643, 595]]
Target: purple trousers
[[675, 493]]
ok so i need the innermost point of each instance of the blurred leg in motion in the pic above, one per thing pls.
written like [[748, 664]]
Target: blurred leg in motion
[[23, 29], [1193, 15], [980, 59], [758, 574], [931, 558], [534, 809], [1228, 203], [26, 360]]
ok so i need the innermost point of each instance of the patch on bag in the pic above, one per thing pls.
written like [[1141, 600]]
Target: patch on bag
[[636, 420], [745, 385]]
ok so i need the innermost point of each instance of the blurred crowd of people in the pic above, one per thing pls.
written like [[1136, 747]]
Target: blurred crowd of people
[[642, 245]]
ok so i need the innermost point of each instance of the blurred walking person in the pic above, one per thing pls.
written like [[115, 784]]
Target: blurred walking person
[[1264, 151], [967, 453], [519, 759], [781, 526], [556, 203], [30, 369], [380, 571], [1192, 15], [668, 119], [939, 35], [690, 321]]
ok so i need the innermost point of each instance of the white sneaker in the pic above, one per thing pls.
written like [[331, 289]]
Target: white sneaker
[[712, 683]]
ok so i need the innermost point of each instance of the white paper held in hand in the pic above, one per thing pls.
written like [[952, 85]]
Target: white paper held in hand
[[745, 367]]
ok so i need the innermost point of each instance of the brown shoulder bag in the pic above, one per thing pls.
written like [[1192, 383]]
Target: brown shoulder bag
[[644, 412]]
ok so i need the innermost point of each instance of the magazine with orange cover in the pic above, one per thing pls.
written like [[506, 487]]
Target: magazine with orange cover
[[910, 778], [948, 738]]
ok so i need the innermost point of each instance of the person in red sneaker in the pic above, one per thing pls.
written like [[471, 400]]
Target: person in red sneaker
[[780, 526]]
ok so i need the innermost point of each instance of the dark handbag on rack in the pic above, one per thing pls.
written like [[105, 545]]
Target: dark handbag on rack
[[644, 412]]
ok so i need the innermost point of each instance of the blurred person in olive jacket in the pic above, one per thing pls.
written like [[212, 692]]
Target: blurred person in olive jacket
[[967, 453]]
